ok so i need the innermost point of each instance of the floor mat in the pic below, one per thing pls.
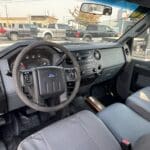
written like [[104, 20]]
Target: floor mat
[[21, 126]]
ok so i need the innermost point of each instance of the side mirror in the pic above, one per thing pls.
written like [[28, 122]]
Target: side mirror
[[96, 9]]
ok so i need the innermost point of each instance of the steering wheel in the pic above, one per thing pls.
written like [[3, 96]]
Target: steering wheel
[[45, 84]]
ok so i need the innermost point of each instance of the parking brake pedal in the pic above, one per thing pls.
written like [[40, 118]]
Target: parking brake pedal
[[94, 103]]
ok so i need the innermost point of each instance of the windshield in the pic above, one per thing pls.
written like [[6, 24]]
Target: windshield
[[62, 21]]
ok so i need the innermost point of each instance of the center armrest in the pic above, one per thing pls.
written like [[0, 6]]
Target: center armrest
[[140, 102]]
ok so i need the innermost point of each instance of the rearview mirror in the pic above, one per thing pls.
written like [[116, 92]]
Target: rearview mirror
[[96, 9]]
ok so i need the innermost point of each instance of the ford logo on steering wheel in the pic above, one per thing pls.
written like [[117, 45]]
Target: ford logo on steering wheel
[[51, 75]]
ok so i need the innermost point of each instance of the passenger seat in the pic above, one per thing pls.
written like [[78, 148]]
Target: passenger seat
[[84, 131], [124, 123], [140, 102]]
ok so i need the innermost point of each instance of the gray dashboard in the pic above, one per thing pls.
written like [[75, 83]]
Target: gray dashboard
[[112, 57], [98, 63]]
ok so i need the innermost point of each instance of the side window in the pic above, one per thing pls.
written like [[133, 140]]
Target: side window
[[141, 45], [39, 25], [108, 29], [44, 26], [91, 28], [5, 25], [52, 26], [60, 26], [13, 25], [9, 26], [102, 28], [63, 26], [20, 26], [27, 26]]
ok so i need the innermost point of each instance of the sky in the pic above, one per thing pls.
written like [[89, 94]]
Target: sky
[[22, 8], [56, 8]]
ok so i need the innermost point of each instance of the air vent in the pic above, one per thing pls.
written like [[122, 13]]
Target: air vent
[[127, 51], [97, 55], [68, 61]]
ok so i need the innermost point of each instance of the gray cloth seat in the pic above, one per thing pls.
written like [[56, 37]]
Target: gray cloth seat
[[82, 131], [140, 102], [143, 143], [124, 123]]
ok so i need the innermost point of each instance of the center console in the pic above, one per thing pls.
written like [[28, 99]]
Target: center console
[[89, 62], [99, 64]]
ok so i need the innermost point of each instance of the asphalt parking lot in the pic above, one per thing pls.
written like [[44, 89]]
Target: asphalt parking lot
[[4, 40]]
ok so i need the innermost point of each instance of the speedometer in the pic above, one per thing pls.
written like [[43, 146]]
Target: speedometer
[[35, 59], [32, 63], [44, 62]]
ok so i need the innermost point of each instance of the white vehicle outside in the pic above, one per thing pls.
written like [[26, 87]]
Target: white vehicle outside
[[53, 31]]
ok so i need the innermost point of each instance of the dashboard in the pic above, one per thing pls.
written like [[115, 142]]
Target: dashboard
[[98, 63]]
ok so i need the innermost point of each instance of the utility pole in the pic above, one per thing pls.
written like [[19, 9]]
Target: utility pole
[[6, 11], [48, 13]]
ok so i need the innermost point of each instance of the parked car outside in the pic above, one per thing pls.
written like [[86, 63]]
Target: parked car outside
[[2, 31], [53, 31], [21, 30], [92, 31]]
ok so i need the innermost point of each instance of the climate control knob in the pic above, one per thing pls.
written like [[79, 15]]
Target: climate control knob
[[97, 55]]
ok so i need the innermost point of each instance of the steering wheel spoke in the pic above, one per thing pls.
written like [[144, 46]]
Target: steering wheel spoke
[[26, 77], [27, 83], [60, 60], [71, 74]]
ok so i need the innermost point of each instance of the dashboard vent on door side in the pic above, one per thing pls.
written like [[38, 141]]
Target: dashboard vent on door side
[[127, 51]]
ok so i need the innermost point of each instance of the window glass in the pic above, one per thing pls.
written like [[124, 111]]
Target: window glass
[[69, 18], [20, 26], [52, 26], [108, 29], [13, 25], [27, 26], [5, 25], [141, 45], [102, 28], [63, 26], [91, 27]]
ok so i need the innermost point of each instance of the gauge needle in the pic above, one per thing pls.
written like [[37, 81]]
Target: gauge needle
[[61, 60]]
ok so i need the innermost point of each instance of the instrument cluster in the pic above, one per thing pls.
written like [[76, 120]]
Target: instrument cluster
[[36, 58]]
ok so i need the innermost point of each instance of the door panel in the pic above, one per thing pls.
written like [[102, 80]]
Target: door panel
[[140, 75], [136, 75]]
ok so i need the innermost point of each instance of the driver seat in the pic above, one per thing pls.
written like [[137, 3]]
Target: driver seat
[[82, 131]]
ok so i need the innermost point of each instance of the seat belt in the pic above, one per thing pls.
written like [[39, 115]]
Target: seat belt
[[126, 145]]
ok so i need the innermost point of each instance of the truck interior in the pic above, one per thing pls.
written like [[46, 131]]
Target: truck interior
[[78, 95]]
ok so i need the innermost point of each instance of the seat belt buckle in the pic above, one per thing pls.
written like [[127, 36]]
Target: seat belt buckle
[[126, 145]]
